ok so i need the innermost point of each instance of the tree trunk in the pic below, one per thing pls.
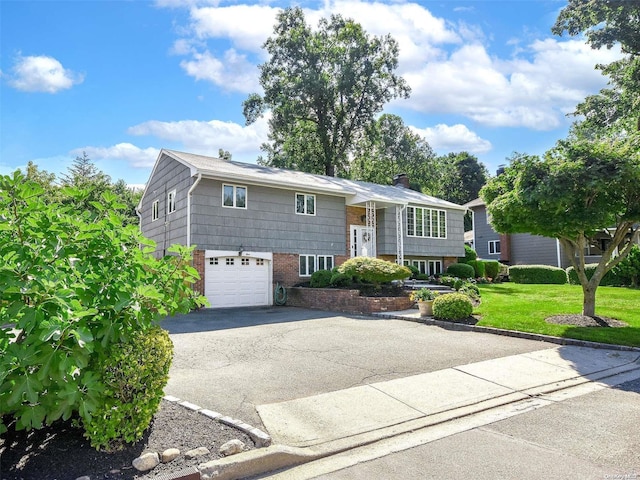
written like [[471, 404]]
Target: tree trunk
[[589, 300]]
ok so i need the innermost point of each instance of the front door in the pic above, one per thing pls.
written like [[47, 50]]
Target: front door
[[361, 241]]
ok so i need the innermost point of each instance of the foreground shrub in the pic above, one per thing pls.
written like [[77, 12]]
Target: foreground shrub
[[461, 270], [470, 290], [74, 284], [543, 274], [452, 306], [320, 279], [478, 268], [134, 375], [610, 279], [469, 254], [414, 270], [340, 280], [628, 270], [491, 268], [374, 270]]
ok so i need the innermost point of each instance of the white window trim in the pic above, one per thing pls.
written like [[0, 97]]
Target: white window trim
[[306, 256], [433, 263], [493, 243], [246, 196], [325, 257], [155, 210], [305, 195], [433, 210], [171, 201]]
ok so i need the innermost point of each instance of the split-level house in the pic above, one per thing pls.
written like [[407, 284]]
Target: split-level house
[[523, 248], [254, 226]]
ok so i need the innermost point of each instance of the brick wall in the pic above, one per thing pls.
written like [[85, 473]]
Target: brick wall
[[286, 268], [448, 261], [348, 301], [198, 264]]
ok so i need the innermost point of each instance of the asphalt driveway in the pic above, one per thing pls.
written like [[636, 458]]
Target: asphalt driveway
[[231, 360]]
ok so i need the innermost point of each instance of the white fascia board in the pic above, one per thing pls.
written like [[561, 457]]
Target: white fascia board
[[234, 253]]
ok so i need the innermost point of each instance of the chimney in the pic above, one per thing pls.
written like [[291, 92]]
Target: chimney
[[500, 170], [401, 180]]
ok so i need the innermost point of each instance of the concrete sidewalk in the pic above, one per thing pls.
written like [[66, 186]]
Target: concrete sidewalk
[[346, 418]]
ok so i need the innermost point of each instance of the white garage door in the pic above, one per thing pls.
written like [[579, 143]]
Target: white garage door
[[237, 281]]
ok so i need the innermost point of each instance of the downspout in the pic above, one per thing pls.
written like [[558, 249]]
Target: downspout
[[193, 187], [558, 252]]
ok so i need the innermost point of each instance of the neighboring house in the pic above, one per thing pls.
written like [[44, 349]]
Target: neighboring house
[[254, 226], [522, 248]]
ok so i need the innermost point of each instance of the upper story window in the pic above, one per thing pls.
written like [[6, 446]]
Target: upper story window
[[234, 196], [155, 211], [171, 201], [305, 204], [426, 222], [494, 247]]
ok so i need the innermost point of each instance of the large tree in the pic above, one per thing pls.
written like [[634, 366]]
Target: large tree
[[461, 177], [606, 23], [327, 83], [581, 188], [391, 148]]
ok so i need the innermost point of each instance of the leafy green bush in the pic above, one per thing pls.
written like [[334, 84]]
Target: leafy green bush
[[491, 268], [452, 306], [340, 280], [74, 283], [461, 270], [320, 279], [628, 270], [447, 280], [610, 279], [374, 270], [134, 374], [478, 267], [537, 274], [470, 290], [469, 254], [423, 276], [414, 270]]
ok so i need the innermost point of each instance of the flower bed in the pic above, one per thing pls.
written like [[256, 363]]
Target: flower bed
[[342, 300]]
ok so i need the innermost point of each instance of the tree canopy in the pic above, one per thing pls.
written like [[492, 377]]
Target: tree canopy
[[326, 84], [580, 188]]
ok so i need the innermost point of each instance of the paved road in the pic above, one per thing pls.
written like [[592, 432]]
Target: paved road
[[593, 436], [232, 360]]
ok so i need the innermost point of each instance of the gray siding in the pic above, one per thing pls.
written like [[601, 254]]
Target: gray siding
[[452, 246], [527, 249], [268, 224], [169, 228], [483, 234]]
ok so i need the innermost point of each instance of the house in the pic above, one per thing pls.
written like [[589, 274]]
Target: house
[[523, 248], [254, 226]]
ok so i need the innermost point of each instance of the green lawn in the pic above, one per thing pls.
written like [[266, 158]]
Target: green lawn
[[513, 306]]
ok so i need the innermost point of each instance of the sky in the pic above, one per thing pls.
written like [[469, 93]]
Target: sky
[[121, 80]]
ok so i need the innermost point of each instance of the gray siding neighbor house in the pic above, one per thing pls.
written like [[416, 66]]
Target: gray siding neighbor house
[[522, 248], [254, 226]]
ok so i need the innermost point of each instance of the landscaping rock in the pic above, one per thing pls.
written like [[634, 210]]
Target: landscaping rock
[[231, 448], [84, 477], [197, 452], [146, 461], [169, 454]]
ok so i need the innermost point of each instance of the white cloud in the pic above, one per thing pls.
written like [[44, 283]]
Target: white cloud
[[42, 74], [134, 156], [453, 138], [233, 72], [207, 137]]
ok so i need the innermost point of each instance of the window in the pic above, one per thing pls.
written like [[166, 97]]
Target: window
[[421, 265], [426, 222], [213, 261], [307, 265], [244, 261], [435, 267], [234, 196], [494, 247], [171, 201], [305, 204], [229, 261], [155, 213], [325, 262], [260, 262]]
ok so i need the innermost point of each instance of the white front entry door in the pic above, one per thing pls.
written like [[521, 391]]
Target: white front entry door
[[361, 241]]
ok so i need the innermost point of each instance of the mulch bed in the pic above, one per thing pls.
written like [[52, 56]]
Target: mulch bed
[[586, 321], [60, 452]]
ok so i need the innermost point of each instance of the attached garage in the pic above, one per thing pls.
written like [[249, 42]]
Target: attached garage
[[233, 280]]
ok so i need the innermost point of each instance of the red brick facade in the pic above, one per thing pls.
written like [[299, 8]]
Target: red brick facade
[[198, 264], [348, 301]]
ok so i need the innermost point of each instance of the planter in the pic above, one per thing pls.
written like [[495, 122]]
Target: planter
[[425, 308]]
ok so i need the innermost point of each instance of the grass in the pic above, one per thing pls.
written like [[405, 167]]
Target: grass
[[513, 306]]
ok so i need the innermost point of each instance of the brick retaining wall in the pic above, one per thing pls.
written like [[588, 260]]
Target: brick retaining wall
[[349, 301]]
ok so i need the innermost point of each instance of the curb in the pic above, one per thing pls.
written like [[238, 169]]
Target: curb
[[509, 333]]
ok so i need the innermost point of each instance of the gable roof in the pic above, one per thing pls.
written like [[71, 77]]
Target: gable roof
[[478, 202], [355, 192]]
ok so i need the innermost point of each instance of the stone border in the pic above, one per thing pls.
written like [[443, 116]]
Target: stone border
[[450, 325], [260, 438]]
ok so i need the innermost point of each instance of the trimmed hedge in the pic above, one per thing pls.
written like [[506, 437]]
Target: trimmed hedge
[[491, 268], [452, 306], [461, 270], [469, 254], [543, 274], [478, 267], [374, 270], [320, 279], [611, 278], [340, 280]]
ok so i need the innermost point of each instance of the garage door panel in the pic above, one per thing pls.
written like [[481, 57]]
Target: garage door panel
[[236, 281]]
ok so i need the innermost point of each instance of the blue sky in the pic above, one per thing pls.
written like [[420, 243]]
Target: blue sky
[[122, 79]]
